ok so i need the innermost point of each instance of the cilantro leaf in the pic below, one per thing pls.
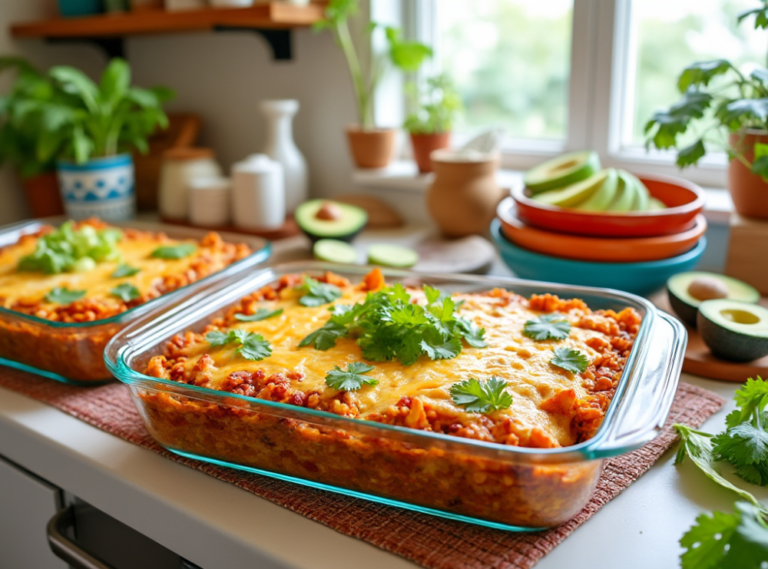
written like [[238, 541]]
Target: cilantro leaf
[[325, 338], [547, 326], [317, 293], [62, 295], [350, 380], [744, 446], [480, 397], [437, 347], [725, 541], [698, 446], [570, 360], [751, 396], [124, 270], [125, 292], [179, 251], [471, 332], [252, 346], [260, 314]]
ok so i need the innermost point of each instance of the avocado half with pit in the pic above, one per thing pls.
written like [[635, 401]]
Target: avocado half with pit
[[326, 219], [686, 292], [562, 171], [733, 330]]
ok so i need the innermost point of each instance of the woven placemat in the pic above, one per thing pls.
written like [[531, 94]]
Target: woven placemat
[[432, 542]]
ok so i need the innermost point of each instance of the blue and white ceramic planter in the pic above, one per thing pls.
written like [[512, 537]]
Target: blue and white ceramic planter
[[102, 187]]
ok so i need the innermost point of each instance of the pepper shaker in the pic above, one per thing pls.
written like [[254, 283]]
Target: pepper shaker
[[258, 193]]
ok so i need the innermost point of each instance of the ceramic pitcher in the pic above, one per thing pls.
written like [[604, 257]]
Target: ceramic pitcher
[[464, 195], [281, 148]]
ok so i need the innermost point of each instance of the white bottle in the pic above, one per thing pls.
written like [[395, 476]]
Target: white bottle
[[258, 194], [280, 147]]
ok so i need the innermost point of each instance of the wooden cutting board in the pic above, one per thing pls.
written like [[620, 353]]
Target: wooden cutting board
[[700, 361]]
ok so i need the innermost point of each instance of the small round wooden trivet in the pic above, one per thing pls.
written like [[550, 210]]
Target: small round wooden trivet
[[700, 361]]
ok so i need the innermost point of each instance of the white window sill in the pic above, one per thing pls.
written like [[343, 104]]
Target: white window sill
[[402, 175]]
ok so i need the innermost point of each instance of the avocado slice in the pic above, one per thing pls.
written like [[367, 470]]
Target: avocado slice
[[326, 219], [602, 198], [625, 195], [704, 286], [733, 330], [574, 194], [334, 251], [562, 171], [392, 256]]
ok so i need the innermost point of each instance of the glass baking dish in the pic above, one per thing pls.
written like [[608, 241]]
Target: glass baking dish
[[73, 352], [504, 487]]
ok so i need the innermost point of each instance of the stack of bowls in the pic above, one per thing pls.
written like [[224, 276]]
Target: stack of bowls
[[633, 251]]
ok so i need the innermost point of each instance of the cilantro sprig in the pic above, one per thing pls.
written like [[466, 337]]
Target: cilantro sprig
[[260, 314], [351, 379], [69, 249], [179, 251], [484, 397], [570, 360], [252, 346], [125, 292], [388, 325], [124, 270], [62, 295], [317, 293], [547, 327]]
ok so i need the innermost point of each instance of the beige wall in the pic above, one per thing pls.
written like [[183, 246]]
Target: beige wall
[[221, 76]]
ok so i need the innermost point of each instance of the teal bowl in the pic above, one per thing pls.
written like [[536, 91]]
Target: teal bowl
[[638, 278]]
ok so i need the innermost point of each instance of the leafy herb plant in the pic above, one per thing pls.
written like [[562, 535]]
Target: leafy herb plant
[[388, 326], [481, 397], [717, 99], [252, 346], [351, 379], [367, 68], [435, 106]]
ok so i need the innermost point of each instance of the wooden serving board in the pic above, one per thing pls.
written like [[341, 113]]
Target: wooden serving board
[[700, 361]]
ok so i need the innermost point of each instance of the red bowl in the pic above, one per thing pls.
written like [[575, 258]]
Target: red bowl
[[684, 201]]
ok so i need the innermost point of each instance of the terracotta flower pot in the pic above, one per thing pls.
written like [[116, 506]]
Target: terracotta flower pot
[[43, 196], [463, 197], [425, 144], [749, 191], [371, 148]]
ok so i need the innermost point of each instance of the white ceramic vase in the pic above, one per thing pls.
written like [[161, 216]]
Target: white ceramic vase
[[281, 148]]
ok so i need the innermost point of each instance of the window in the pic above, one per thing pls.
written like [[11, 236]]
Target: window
[[572, 74]]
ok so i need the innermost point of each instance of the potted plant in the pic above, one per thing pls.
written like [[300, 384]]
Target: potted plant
[[371, 147], [735, 105], [19, 133], [431, 122], [90, 130]]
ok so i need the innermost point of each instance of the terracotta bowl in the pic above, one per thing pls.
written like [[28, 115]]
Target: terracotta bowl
[[602, 249], [684, 200]]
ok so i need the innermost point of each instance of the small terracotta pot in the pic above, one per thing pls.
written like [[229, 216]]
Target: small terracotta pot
[[371, 148], [749, 191], [425, 144], [43, 196], [463, 197]]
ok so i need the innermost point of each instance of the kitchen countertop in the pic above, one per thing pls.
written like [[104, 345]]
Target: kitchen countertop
[[217, 525]]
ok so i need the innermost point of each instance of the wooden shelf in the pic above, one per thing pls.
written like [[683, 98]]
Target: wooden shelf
[[273, 20]]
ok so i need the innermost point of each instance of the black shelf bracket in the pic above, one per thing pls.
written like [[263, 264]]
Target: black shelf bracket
[[280, 41], [111, 46]]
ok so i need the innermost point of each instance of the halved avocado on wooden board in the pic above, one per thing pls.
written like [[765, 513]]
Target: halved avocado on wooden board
[[562, 171], [327, 219], [733, 330], [686, 292]]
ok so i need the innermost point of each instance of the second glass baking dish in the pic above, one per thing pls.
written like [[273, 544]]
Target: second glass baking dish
[[499, 486], [73, 352]]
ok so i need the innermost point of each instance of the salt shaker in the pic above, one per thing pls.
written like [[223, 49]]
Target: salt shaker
[[258, 193], [209, 200], [180, 166]]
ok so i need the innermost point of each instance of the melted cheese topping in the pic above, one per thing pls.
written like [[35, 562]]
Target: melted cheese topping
[[98, 282], [521, 361]]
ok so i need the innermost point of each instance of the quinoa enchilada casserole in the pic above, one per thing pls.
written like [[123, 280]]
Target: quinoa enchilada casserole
[[490, 366]]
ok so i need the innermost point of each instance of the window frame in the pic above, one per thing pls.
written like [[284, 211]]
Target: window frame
[[599, 86]]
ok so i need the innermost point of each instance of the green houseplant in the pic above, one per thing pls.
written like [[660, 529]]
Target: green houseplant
[[371, 146], [431, 122], [722, 107]]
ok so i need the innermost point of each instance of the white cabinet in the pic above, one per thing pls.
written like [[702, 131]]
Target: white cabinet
[[26, 505]]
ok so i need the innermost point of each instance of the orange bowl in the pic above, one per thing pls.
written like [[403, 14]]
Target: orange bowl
[[605, 249], [684, 201]]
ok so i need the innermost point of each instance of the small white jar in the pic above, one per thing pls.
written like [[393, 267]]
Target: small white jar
[[258, 194], [180, 167], [209, 200]]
